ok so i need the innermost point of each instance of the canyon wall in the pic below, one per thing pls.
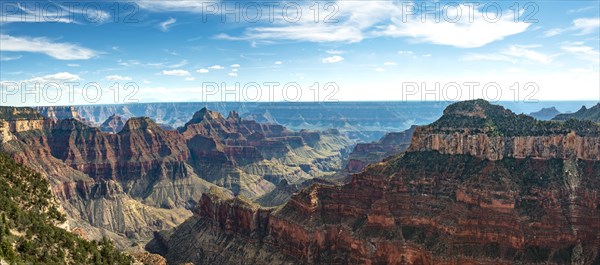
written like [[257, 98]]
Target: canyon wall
[[565, 146], [441, 202], [143, 177]]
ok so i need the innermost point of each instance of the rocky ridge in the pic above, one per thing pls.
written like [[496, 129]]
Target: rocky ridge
[[545, 114], [591, 114], [364, 154], [144, 178], [113, 124], [437, 203], [491, 132], [371, 123]]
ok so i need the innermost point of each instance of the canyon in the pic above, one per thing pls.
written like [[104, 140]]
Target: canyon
[[126, 184], [390, 144], [372, 122], [481, 185]]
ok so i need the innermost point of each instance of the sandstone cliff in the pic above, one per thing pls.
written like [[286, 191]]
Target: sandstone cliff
[[113, 124], [429, 205], [144, 178], [364, 154], [483, 130]]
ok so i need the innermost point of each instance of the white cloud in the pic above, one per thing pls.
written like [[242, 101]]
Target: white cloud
[[358, 20], [194, 6], [514, 54], [176, 72], [117, 78], [202, 71], [527, 53], [489, 57], [234, 65], [130, 63], [583, 9], [190, 79], [379, 69], [586, 25], [580, 26], [171, 52], [60, 51], [10, 58], [406, 52], [234, 70], [333, 59], [553, 32], [165, 25], [147, 82], [390, 64], [582, 52], [353, 22], [335, 52], [233, 74], [58, 77], [52, 13], [278, 63], [72, 65], [57, 80], [461, 34], [62, 76], [179, 64], [217, 67]]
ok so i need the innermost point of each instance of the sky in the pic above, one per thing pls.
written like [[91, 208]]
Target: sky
[[58, 53]]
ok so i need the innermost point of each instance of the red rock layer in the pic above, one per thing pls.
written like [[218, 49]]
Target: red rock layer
[[499, 147], [403, 212]]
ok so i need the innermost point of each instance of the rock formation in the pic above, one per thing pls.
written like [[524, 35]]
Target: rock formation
[[545, 114], [144, 178], [591, 114], [113, 124], [479, 186], [486, 131], [367, 153], [370, 123]]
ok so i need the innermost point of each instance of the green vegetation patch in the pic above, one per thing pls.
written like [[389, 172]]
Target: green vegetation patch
[[28, 219]]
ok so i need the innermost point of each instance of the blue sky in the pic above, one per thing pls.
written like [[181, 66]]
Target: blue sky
[[363, 50]]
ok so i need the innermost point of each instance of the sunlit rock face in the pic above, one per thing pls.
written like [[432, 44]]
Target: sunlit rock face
[[369, 123], [391, 144], [113, 124], [139, 177], [447, 200]]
